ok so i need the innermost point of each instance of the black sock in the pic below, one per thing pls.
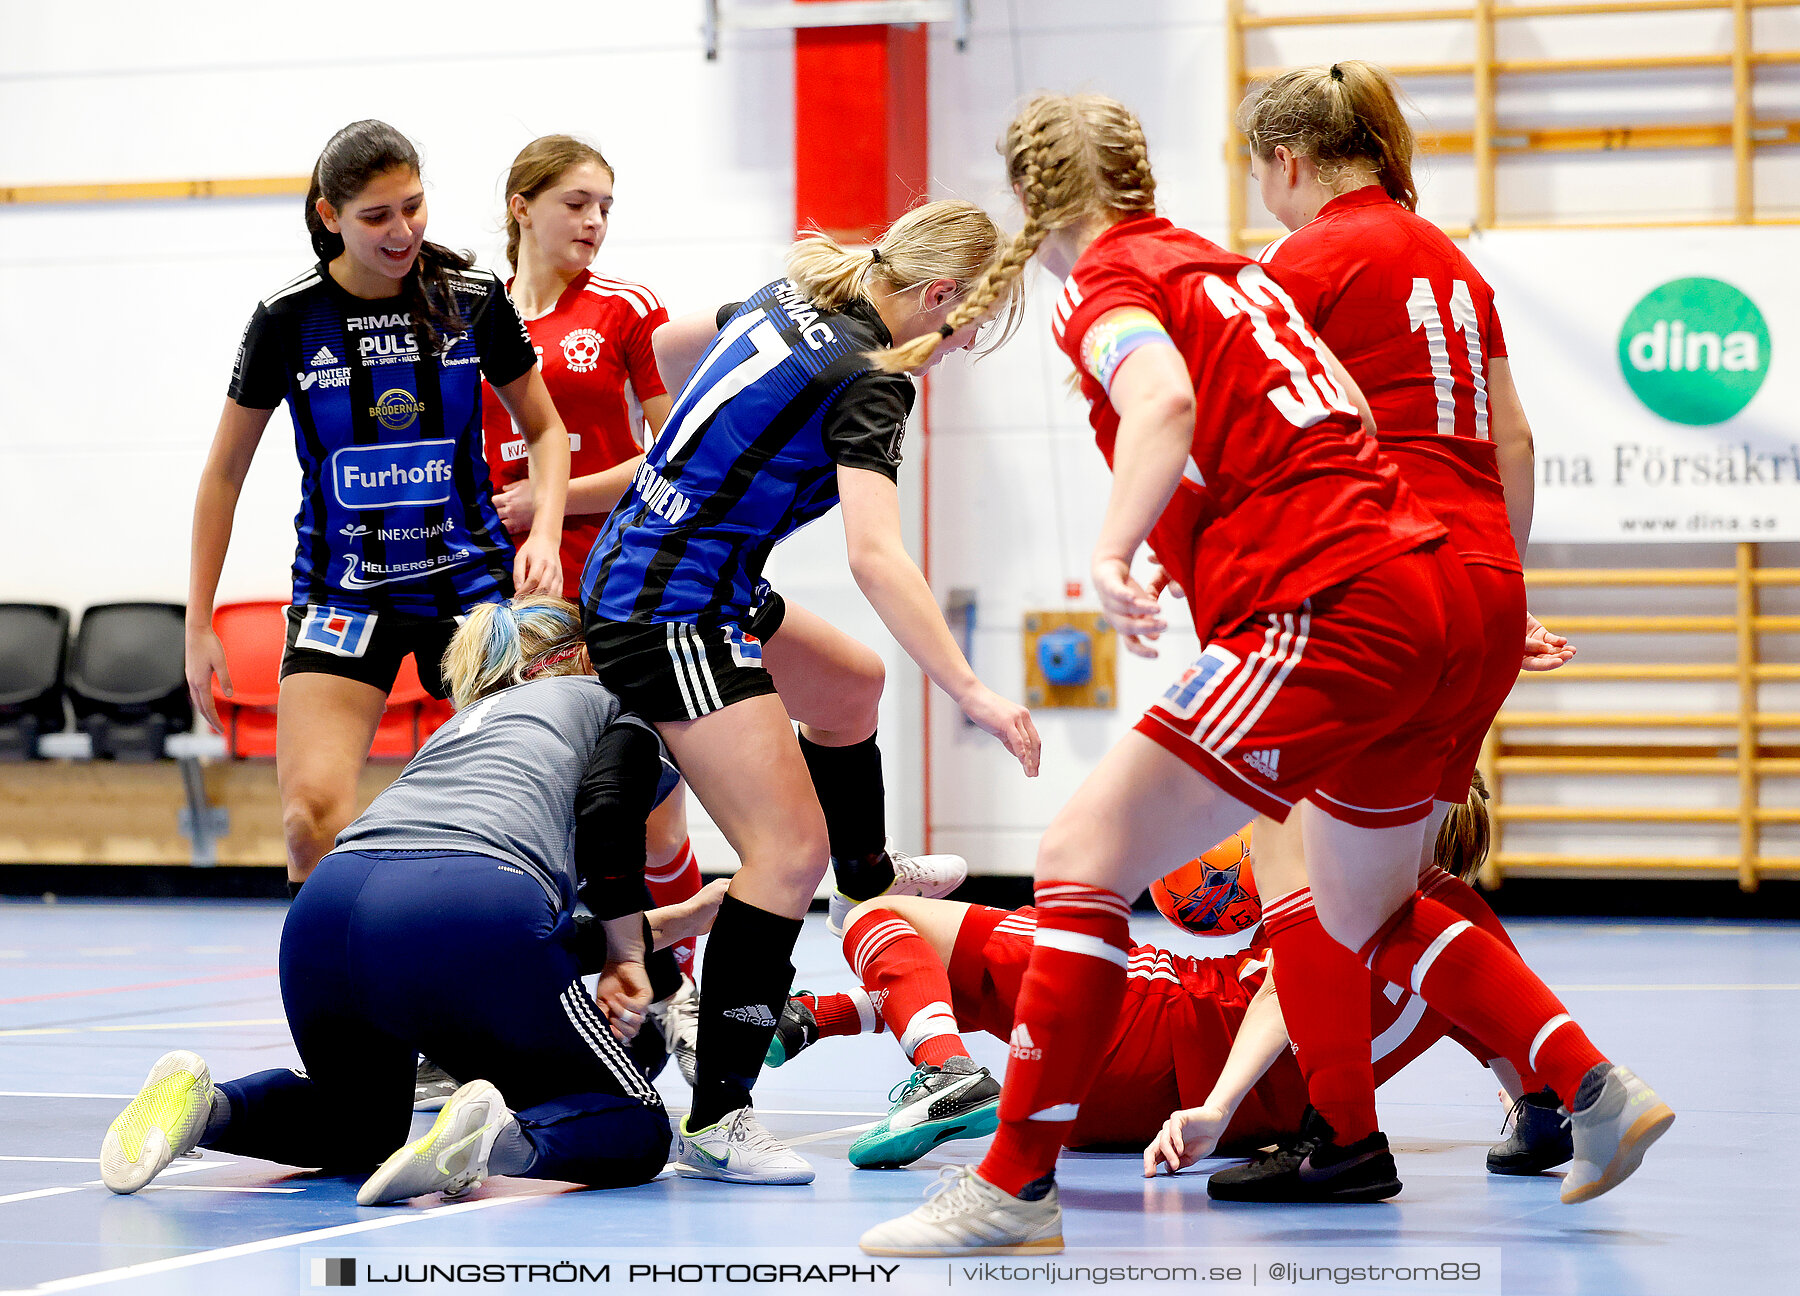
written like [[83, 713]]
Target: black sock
[[850, 791], [743, 988], [1038, 1189], [293, 889], [665, 972], [589, 945], [864, 877]]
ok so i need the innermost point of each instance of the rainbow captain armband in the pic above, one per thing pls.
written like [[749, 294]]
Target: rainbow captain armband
[[1116, 335]]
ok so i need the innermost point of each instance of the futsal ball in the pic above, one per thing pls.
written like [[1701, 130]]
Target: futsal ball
[[1213, 895]]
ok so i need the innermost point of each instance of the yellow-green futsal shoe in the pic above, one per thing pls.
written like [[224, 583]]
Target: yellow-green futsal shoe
[[163, 1122]]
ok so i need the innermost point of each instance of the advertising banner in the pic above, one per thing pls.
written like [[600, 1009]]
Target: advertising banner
[[1658, 373]]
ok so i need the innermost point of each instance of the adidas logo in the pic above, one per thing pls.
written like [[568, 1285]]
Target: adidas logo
[[1264, 762], [753, 1015], [1022, 1046], [324, 357]]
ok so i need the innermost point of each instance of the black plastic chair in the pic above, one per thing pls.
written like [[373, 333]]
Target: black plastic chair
[[127, 678], [34, 640]]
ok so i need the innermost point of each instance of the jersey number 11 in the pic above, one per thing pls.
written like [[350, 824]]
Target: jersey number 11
[[1424, 312]]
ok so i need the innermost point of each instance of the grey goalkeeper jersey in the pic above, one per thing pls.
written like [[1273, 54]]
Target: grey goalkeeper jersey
[[501, 779]]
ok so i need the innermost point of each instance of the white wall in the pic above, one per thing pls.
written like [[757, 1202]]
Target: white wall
[[1016, 485], [119, 320]]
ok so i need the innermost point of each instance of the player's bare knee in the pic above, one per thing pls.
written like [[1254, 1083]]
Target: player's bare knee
[[663, 841], [798, 861], [311, 819], [1063, 856], [854, 708], [1345, 924], [866, 684]]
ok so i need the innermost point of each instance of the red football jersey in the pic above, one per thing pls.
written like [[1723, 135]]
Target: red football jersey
[[594, 340], [1217, 992], [1414, 323], [1286, 495]]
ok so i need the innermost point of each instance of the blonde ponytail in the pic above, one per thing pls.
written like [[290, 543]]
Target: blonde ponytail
[[948, 239], [502, 644], [827, 274], [1072, 157], [1463, 841], [1345, 117]]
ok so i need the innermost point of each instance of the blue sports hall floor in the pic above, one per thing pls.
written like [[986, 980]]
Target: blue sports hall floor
[[92, 992]]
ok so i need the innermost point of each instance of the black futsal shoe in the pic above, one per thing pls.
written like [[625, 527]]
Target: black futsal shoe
[[1313, 1168], [798, 1029], [1538, 1137]]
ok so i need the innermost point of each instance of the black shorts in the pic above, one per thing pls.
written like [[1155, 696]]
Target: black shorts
[[366, 646], [681, 670]]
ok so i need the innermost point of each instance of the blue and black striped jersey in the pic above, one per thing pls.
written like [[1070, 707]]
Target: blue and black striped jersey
[[396, 513], [749, 455]]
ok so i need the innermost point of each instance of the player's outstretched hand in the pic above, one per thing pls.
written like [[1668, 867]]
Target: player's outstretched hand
[[623, 993], [1185, 1137], [206, 658], [1007, 721], [1130, 607], [1543, 651], [538, 567], [517, 505]]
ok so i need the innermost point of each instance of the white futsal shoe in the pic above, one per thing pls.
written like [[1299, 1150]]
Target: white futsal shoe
[[931, 876], [679, 1018], [451, 1157], [163, 1122], [738, 1150], [1612, 1133], [964, 1214]]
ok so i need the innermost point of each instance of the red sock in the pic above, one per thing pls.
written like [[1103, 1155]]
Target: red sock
[[843, 1014], [674, 882], [1066, 1012], [909, 987], [1466, 902], [1324, 991], [1483, 987]]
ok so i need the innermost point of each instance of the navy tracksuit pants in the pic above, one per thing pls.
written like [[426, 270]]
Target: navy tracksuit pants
[[388, 954]]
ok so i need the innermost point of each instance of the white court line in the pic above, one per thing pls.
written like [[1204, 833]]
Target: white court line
[[38, 1093], [38, 1192], [186, 1165], [74, 1160], [180, 1167], [830, 1134], [252, 1248]]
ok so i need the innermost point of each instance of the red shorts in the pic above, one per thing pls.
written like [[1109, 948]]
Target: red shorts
[[1355, 699], [1174, 1032], [1500, 595]]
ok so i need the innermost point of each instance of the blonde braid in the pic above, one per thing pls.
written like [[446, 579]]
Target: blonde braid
[[1001, 275]]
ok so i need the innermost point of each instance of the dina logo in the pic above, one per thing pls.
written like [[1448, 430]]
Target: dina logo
[[1695, 351]]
